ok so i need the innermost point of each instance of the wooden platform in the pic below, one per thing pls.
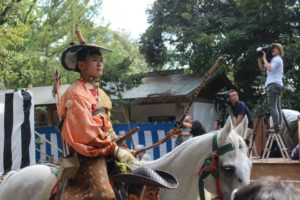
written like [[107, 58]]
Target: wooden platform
[[287, 170]]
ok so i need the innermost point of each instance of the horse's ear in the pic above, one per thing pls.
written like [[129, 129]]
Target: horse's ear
[[241, 129], [225, 131]]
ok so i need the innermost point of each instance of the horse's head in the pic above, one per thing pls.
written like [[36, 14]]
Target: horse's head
[[234, 166]]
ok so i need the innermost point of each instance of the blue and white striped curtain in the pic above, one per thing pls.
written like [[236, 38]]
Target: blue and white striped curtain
[[17, 143], [149, 133], [53, 135]]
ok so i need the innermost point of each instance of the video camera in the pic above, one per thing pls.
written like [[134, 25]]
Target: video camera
[[222, 97], [222, 103], [267, 49]]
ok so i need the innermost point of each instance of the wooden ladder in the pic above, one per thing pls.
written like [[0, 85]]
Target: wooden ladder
[[272, 136]]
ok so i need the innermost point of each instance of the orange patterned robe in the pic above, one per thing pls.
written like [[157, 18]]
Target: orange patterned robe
[[90, 136], [86, 134]]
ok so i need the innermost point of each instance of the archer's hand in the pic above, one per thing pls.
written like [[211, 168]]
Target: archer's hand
[[124, 156]]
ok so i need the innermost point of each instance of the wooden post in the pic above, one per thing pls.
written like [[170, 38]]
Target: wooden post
[[260, 139]]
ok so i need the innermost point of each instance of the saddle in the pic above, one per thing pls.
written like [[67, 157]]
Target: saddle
[[53, 187], [91, 181]]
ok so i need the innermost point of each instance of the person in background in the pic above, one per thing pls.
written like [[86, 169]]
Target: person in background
[[144, 183], [268, 188], [290, 128], [274, 82], [195, 125], [295, 153], [142, 156], [240, 109], [217, 125]]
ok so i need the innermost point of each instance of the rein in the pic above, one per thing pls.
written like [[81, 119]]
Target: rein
[[210, 166]]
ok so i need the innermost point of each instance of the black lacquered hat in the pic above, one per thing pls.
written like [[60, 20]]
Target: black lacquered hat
[[71, 54], [149, 177]]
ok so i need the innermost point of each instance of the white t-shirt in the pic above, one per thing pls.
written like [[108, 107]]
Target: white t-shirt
[[276, 73]]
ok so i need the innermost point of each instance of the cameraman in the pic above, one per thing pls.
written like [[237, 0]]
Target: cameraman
[[274, 83]]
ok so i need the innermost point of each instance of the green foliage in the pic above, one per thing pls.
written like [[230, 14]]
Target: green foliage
[[195, 32], [119, 78], [292, 76], [34, 34]]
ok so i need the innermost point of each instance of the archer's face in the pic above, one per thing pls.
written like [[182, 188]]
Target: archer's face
[[147, 193], [92, 67]]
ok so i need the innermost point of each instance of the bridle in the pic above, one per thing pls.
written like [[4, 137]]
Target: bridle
[[211, 166]]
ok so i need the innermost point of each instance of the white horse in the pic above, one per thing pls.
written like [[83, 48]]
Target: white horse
[[31, 183], [184, 162]]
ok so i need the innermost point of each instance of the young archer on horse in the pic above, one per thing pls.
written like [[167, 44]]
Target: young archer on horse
[[87, 128]]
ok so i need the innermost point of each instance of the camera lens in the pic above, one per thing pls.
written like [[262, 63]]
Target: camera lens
[[259, 52]]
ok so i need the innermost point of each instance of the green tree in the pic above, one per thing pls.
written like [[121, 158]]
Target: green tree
[[152, 43], [14, 62], [34, 34], [119, 78]]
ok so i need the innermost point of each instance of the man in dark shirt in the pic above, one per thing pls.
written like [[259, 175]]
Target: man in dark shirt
[[239, 108]]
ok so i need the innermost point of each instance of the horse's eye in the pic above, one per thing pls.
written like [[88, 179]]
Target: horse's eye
[[228, 169]]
